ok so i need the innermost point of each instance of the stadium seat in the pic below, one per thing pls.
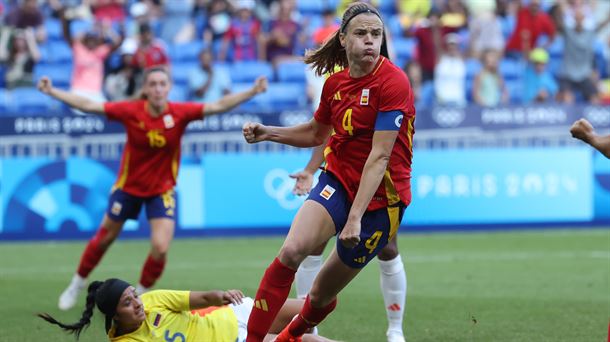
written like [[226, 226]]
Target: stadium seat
[[31, 101], [308, 7], [58, 52], [511, 69], [404, 47], [279, 96], [2, 75], [6, 102], [387, 7], [394, 26], [473, 67], [249, 71], [181, 72], [179, 93], [291, 71], [556, 48], [188, 52], [53, 28], [515, 91], [60, 74], [78, 27]]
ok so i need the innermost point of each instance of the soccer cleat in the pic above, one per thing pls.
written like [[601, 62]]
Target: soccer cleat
[[395, 336], [69, 297], [285, 336]]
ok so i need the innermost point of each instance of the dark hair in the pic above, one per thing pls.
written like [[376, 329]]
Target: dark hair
[[105, 295], [331, 53]]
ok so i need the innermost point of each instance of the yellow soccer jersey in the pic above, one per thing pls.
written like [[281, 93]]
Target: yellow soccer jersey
[[168, 318]]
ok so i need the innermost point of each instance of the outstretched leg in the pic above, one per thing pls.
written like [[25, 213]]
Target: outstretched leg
[[393, 281]]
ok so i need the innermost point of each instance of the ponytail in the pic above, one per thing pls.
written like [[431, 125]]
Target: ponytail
[[331, 54], [85, 320]]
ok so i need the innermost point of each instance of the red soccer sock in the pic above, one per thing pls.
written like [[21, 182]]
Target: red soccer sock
[[92, 254], [151, 271], [271, 295], [309, 317]]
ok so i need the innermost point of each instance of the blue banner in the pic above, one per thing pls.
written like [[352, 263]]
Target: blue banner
[[250, 193]]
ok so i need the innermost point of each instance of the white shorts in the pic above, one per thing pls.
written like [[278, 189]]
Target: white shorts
[[242, 312]]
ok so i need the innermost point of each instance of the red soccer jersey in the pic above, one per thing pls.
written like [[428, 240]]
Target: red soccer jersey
[[351, 105], [150, 161]]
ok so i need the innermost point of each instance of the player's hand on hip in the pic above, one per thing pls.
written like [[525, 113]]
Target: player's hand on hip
[[232, 297], [581, 128], [45, 85], [254, 132], [304, 180], [260, 85], [350, 235]]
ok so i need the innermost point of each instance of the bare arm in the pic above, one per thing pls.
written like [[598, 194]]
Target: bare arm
[[601, 25], [476, 88], [30, 40], [5, 34], [232, 100], [309, 134], [204, 299], [72, 100], [583, 130], [65, 27], [372, 175]]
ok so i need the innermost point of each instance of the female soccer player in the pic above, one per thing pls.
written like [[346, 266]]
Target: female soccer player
[[148, 171], [365, 188], [166, 315]]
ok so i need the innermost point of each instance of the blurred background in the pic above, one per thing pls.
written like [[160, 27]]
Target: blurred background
[[497, 84]]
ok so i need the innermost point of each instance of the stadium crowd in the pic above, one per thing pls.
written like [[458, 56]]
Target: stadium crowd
[[455, 52]]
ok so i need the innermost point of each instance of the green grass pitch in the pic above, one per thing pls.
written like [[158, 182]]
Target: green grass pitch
[[544, 285]]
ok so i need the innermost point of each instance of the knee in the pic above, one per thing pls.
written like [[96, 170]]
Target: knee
[[319, 299], [159, 250], [389, 252], [291, 255]]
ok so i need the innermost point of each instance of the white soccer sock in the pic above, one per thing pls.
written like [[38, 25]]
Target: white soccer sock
[[307, 272], [78, 281], [394, 289]]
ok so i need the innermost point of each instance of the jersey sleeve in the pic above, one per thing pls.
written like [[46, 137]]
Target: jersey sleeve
[[117, 110], [167, 299], [322, 114], [397, 95], [192, 111]]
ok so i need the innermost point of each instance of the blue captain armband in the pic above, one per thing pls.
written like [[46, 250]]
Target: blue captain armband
[[389, 121]]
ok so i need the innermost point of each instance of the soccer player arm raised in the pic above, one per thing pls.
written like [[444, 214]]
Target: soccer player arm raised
[[230, 101], [204, 299], [76, 101], [309, 134], [583, 130]]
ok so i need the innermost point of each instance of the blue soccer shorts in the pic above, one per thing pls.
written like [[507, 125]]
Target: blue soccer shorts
[[123, 206], [377, 226]]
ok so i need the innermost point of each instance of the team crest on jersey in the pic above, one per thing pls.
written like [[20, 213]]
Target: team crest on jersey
[[364, 97], [327, 192], [116, 208], [168, 121]]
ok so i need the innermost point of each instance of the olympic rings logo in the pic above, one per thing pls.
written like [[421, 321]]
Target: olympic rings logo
[[278, 185]]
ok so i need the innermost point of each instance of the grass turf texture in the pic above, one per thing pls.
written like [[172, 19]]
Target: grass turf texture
[[547, 285]]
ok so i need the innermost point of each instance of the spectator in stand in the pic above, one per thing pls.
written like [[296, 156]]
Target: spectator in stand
[[217, 24], [89, 52], [20, 54], [412, 13], [27, 15], [206, 83], [485, 29], [108, 10], [454, 14], [577, 69], [151, 51], [244, 35], [488, 89], [414, 73], [284, 34], [429, 36], [120, 84], [531, 24], [450, 74], [329, 26], [538, 83]]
